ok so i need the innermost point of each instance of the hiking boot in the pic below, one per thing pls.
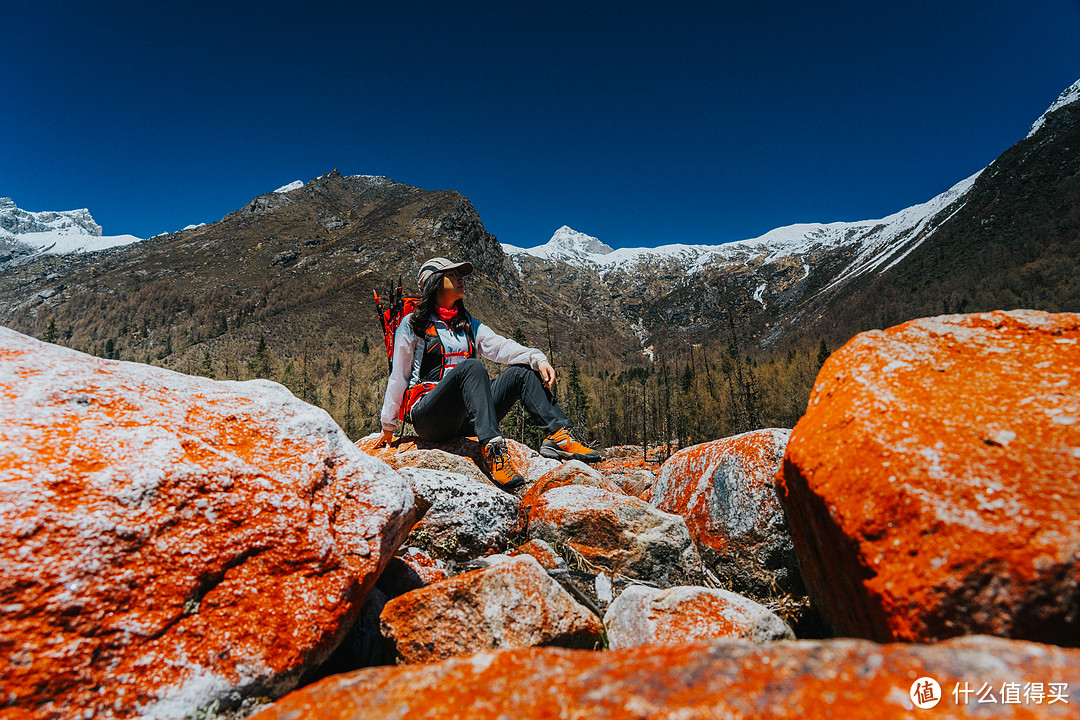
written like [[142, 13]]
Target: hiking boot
[[561, 445], [501, 465]]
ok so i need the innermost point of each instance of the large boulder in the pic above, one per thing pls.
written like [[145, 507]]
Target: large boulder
[[981, 677], [571, 472], [171, 542], [648, 616], [932, 486], [725, 491], [465, 518], [510, 604], [617, 533]]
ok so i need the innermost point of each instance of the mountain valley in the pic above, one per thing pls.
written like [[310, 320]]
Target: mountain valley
[[282, 288]]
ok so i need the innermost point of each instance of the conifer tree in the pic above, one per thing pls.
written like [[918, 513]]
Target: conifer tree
[[822, 353], [259, 366], [350, 378], [207, 367], [577, 401]]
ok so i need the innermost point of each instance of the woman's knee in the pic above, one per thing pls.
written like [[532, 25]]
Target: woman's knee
[[521, 373], [471, 365]]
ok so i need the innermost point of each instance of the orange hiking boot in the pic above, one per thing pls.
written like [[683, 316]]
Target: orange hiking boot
[[501, 465], [561, 445]]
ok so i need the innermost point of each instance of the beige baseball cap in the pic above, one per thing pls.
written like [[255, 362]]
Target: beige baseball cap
[[440, 265]]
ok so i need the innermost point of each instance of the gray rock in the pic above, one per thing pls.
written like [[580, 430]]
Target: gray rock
[[725, 491], [466, 518], [648, 616], [617, 533], [285, 257]]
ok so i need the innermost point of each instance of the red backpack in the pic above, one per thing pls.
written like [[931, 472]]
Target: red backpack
[[396, 309], [391, 314]]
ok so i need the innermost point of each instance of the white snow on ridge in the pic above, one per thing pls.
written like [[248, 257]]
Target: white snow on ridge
[[297, 184], [61, 242], [870, 237], [57, 233], [294, 185], [578, 248], [1071, 95]]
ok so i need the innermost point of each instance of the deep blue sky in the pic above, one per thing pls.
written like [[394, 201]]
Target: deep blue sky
[[639, 123]]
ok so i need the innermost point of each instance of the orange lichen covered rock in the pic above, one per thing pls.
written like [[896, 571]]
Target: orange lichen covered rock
[[725, 491], [617, 533], [543, 553], [461, 455], [933, 486], [648, 616], [627, 467], [511, 604], [572, 472], [427, 568], [729, 679], [168, 541]]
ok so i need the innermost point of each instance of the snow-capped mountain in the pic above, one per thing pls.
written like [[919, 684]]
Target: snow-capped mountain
[[24, 232], [566, 245], [780, 266], [809, 275], [876, 244]]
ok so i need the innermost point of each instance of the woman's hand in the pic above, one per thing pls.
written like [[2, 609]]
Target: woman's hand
[[547, 373], [385, 439]]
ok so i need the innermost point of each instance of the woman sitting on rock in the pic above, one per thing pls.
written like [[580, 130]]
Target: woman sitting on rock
[[438, 383]]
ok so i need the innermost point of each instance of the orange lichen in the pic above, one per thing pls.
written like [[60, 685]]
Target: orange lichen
[[163, 533], [932, 486], [735, 680]]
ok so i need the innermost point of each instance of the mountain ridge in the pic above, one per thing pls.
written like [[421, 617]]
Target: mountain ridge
[[25, 233]]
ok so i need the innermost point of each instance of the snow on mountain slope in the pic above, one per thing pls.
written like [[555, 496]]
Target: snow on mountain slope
[[1071, 95], [576, 248], [874, 241], [294, 185], [69, 231], [62, 242], [567, 245]]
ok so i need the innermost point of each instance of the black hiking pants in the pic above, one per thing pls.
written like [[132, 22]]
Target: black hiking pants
[[467, 402]]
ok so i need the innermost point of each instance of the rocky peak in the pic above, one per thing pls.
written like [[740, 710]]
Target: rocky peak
[[567, 245], [569, 240], [17, 221]]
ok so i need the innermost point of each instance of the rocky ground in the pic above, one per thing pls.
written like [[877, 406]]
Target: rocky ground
[[176, 547]]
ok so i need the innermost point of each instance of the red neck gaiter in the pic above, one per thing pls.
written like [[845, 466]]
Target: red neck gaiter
[[446, 314]]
